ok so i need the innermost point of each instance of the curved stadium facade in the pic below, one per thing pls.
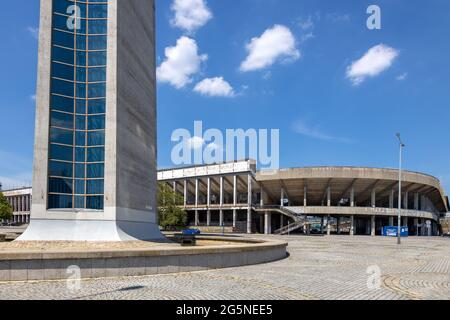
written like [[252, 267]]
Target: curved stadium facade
[[331, 200]]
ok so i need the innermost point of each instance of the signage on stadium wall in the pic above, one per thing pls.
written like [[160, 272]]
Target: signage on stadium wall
[[218, 169]]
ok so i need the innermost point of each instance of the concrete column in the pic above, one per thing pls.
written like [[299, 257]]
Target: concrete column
[[352, 197], [391, 221], [261, 201], [249, 220], [208, 218], [373, 201], [281, 221], [221, 222], [267, 223], [197, 182], [282, 198], [373, 226], [208, 192], [234, 218], [321, 225], [234, 190], [249, 200], [405, 222], [249, 190], [305, 195], [197, 218], [329, 196], [391, 199], [405, 200], [338, 225], [185, 193], [422, 203], [416, 225], [221, 190], [416, 201], [328, 225]]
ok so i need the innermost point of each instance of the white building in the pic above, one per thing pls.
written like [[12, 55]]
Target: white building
[[20, 201]]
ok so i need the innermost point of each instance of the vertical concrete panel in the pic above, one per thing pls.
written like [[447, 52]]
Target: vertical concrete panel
[[19, 270], [42, 121], [5, 270], [136, 109], [98, 268]]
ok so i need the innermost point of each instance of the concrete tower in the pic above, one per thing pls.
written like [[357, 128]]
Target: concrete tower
[[95, 145]]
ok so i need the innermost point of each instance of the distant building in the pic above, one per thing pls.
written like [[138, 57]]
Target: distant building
[[20, 201], [342, 200], [351, 200]]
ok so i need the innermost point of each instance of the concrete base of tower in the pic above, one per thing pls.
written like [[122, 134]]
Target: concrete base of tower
[[90, 230]]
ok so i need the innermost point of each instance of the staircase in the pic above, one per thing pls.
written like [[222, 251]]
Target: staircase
[[292, 212], [291, 227]]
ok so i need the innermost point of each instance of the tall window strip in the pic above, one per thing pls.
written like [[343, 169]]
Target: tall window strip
[[77, 105]]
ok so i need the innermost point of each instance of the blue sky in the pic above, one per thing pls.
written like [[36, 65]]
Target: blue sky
[[337, 91]]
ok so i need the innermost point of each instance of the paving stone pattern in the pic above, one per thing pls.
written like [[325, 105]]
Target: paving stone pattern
[[333, 267]]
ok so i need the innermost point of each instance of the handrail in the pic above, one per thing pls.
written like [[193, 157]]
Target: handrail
[[290, 227]]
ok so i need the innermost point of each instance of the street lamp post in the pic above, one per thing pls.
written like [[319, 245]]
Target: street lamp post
[[399, 230]]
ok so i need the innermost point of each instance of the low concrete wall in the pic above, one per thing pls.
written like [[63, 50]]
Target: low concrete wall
[[32, 266]]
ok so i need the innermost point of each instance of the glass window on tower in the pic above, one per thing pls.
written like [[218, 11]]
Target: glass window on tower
[[77, 104]]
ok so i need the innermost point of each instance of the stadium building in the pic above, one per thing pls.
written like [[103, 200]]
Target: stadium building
[[329, 200]]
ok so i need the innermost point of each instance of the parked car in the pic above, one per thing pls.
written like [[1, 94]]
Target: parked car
[[191, 232]]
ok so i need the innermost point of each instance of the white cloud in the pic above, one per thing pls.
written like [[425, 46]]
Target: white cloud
[[190, 14], [402, 77], [214, 87], [315, 132], [337, 17], [307, 36], [306, 24], [181, 63], [34, 32], [374, 62], [276, 43]]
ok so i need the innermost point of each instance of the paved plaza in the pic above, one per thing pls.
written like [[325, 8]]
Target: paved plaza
[[336, 267]]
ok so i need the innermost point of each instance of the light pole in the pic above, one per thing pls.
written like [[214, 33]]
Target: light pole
[[399, 230]]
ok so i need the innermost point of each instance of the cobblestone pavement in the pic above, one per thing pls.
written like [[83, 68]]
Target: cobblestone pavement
[[336, 267]]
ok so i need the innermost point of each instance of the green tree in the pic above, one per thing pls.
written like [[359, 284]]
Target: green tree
[[170, 213], [6, 211]]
